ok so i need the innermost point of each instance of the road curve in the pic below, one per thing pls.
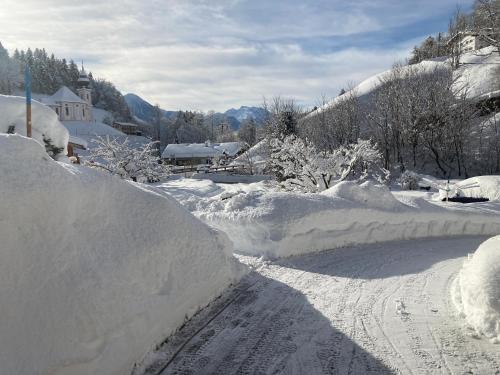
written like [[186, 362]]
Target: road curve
[[375, 309]]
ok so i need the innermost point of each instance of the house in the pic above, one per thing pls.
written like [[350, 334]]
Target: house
[[127, 128], [201, 153], [467, 41], [68, 105]]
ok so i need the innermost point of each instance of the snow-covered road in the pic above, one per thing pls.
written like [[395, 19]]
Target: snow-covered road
[[372, 309]]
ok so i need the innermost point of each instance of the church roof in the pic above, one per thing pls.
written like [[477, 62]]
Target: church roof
[[66, 95]]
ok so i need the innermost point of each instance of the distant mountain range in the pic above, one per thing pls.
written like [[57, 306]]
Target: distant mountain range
[[145, 111]]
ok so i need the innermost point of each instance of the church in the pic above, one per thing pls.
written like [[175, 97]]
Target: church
[[68, 105]]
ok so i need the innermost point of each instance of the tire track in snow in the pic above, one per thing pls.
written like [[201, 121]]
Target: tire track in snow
[[329, 313]]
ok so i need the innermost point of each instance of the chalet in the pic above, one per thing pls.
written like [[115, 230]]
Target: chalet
[[467, 41]]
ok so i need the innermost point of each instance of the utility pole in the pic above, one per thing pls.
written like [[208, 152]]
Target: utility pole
[[27, 86]]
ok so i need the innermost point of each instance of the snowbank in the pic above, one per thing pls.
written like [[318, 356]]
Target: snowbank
[[45, 123], [480, 187], [94, 270], [476, 291], [263, 221]]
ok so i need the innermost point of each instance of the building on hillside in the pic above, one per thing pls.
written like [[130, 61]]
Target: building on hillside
[[127, 128], [68, 105], [201, 153], [467, 41]]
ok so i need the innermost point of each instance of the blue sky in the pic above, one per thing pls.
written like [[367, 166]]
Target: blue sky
[[219, 54]]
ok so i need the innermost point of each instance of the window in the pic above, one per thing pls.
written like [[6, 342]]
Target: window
[[57, 111], [83, 112], [67, 110]]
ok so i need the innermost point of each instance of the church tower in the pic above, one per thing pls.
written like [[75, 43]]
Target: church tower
[[84, 90]]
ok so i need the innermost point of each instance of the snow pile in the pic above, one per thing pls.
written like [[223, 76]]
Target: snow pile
[[477, 290], [368, 193], [94, 270], [480, 187], [45, 124], [263, 221]]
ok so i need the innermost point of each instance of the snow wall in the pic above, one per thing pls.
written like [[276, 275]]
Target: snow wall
[[476, 291], [94, 271], [44, 121], [276, 224]]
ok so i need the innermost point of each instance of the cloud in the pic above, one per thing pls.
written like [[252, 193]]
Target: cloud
[[220, 54]]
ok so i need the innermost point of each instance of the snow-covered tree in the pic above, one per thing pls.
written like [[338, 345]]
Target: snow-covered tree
[[120, 158], [409, 180], [300, 166], [10, 73]]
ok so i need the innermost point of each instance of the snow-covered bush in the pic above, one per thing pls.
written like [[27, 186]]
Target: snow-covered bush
[[476, 292], [409, 180], [300, 166], [120, 158]]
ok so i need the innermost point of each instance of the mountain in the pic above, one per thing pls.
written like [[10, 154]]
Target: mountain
[[143, 110], [244, 112]]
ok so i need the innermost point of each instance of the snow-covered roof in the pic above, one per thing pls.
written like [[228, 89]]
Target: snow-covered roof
[[65, 95], [230, 148], [78, 141], [201, 150], [193, 150]]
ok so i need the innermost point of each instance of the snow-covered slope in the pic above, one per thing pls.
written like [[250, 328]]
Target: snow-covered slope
[[476, 291], [477, 72], [44, 121], [89, 130], [94, 270]]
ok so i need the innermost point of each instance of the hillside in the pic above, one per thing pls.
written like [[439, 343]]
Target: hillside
[[479, 72], [143, 110]]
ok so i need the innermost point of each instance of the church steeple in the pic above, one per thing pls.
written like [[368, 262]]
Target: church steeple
[[85, 92], [83, 78]]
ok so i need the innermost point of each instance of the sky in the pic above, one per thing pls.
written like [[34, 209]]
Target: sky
[[221, 54]]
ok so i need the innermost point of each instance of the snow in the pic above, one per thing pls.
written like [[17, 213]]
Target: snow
[[78, 141], [371, 309], [44, 121], [193, 150], [230, 148], [89, 130], [257, 156], [480, 187], [477, 290], [64, 94], [477, 73], [201, 150], [99, 115], [263, 221], [94, 270]]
